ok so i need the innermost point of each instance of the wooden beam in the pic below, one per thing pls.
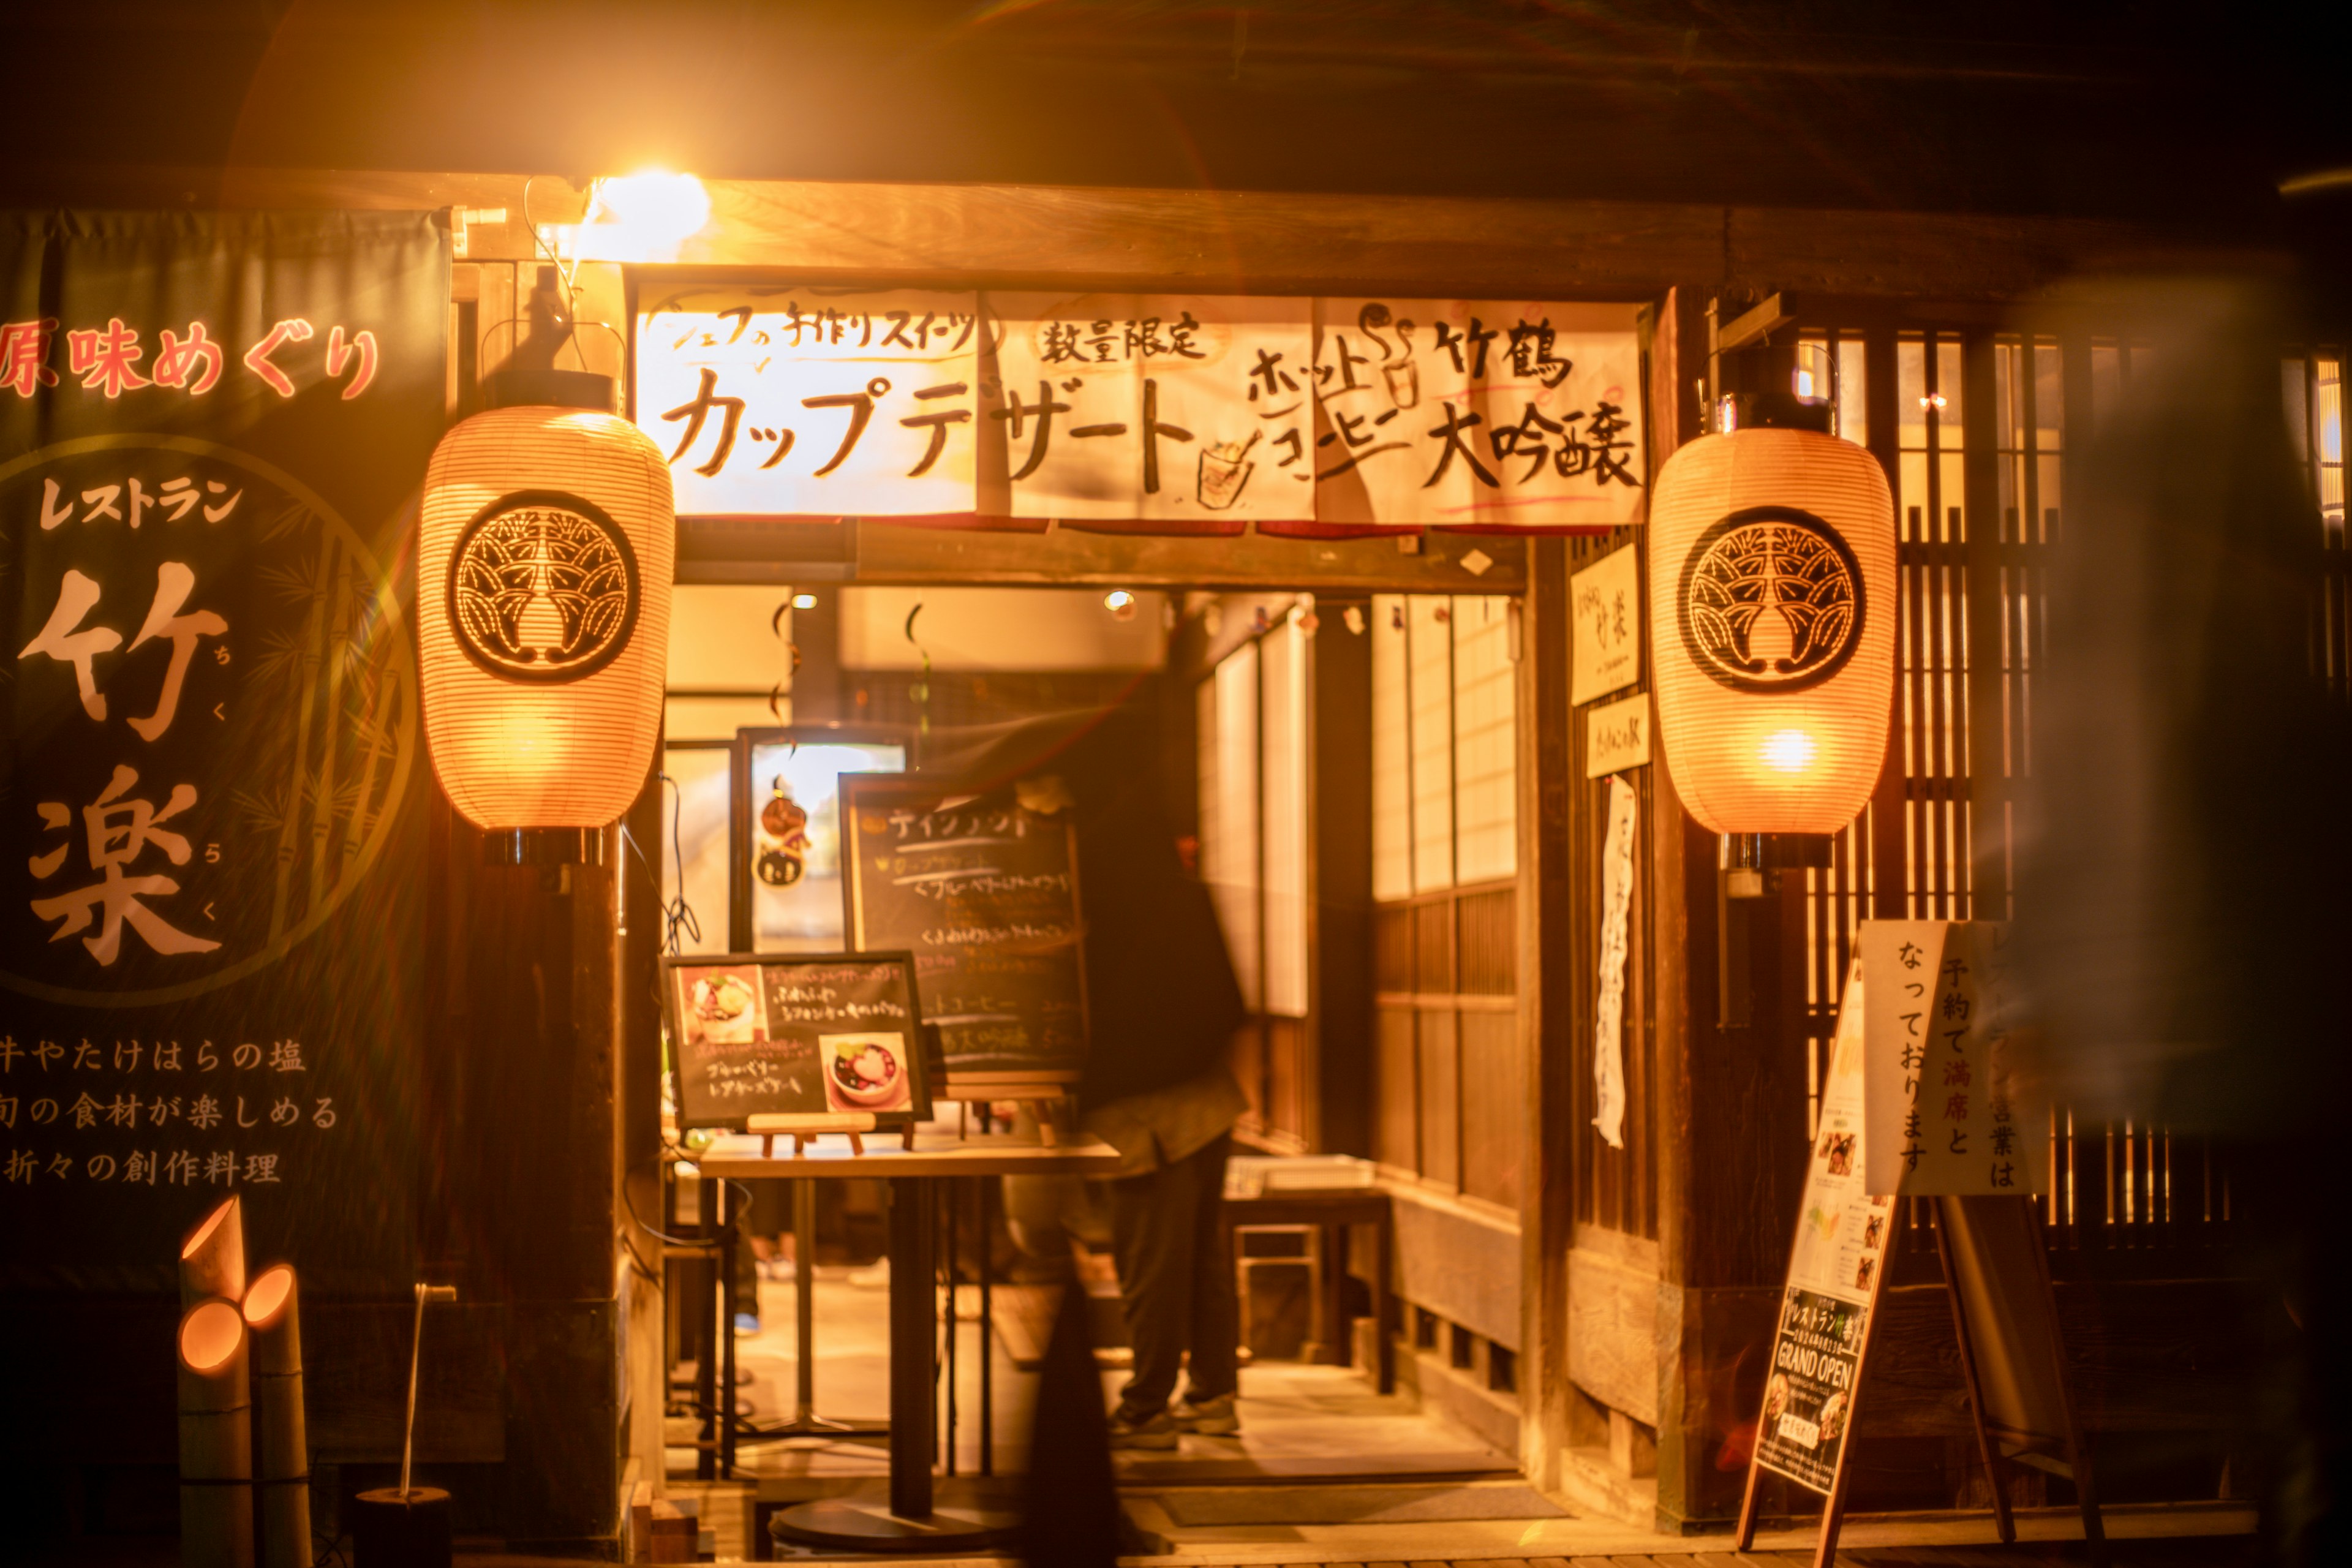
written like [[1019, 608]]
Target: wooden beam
[[1756, 324], [877, 553], [1088, 238]]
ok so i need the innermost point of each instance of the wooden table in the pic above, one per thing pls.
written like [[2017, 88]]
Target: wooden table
[[1331, 1210], [913, 1175]]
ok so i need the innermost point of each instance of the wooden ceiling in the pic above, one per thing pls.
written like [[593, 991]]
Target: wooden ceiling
[[2185, 113]]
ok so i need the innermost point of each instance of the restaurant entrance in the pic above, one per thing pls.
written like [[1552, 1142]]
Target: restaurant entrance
[[1339, 766]]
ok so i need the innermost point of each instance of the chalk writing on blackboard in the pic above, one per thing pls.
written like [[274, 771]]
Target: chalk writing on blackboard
[[983, 891]]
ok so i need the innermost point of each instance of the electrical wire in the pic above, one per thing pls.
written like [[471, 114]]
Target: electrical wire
[[662, 1237], [678, 923]]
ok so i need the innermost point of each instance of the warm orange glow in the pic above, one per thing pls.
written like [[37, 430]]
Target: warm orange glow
[[542, 707], [655, 204], [268, 1295], [1791, 751], [1772, 627], [209, 1335], [202, 1233], [645, 216]]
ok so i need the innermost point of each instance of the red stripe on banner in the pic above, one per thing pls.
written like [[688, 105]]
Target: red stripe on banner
[[1160, 528], [1522, 530], [1337, 529], [965, 522]]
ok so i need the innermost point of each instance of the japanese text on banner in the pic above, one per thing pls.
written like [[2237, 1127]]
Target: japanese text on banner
[[1173, 408], [813, 401], [1453, 412]]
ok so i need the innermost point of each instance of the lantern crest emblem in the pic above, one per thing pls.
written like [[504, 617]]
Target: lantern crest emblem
[[1770, 600], [543, 587]]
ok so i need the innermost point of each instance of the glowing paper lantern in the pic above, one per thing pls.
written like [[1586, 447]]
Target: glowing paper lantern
[[543, 589], [1772, 627]]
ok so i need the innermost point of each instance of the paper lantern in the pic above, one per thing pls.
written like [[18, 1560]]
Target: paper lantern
[[544, 589], [1772, 627]]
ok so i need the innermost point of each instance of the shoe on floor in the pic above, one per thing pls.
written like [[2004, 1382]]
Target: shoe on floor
[[746, 1325], [1209, 1417], [1130, 1430]]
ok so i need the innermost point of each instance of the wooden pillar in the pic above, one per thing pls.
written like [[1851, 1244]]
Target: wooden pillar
[[1987, 727], [1549, 993], [537, 1140], [1730, 1120], [637, 1166], [521, 1210], [1340, 875]]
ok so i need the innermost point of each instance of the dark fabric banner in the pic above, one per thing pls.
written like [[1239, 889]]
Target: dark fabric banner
[[213, 429]]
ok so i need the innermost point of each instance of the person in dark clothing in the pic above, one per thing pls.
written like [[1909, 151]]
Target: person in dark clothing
[[1162, 1004]]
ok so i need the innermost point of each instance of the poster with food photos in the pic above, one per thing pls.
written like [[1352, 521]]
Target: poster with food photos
[[805, 1034], [1835, 1272]]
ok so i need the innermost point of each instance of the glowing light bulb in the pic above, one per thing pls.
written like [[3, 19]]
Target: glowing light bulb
[[1121, 603], [804, 601], [662, 207], [1788, 751]]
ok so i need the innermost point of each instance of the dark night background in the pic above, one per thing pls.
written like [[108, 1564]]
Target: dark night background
[[2183, 113]]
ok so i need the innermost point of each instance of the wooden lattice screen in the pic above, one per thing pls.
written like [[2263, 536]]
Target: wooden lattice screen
[[1972, 427]]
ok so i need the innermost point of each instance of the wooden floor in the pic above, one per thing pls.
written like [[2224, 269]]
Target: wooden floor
[[1325, 1473]]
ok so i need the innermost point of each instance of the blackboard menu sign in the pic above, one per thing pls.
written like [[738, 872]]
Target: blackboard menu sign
[[805, 1034], [983, 890]]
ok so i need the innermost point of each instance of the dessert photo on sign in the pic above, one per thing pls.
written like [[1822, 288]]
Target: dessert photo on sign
[[865, 1071], [719, 1005]]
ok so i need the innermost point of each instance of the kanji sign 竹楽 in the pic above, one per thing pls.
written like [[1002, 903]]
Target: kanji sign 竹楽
[[212, 782]]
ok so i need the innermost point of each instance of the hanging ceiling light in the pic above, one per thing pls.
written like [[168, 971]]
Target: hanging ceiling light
[[1772, 621], [544, 568]]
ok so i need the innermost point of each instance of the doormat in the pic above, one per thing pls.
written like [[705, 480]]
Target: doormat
[[1354, 1505]]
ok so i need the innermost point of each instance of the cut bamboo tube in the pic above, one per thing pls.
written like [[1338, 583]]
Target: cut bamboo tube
[[216, 1440], [273, 1319], [212, 1260]]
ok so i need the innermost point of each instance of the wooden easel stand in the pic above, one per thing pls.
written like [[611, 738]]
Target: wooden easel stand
[[1997, 1468]]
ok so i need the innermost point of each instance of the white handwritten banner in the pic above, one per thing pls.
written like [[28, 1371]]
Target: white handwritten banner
[[1166, 408], [1197, 414], [1437, 412], [781, 400]]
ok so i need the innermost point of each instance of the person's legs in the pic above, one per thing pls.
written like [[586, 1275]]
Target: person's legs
[[1151, 1234], [1215, 1325], [747, 1269]]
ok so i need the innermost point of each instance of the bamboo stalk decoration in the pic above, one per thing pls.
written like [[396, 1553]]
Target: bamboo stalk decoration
[[212, 1260], [273, 1319], [216, 1440], [216, 1397]]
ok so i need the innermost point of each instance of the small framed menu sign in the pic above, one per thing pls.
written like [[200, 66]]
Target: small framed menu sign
[[796, 1034]]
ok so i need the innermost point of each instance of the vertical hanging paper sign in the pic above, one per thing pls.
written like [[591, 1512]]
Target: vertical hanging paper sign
[[1605, 650], [786, 400], [1616, 907], [1435, 412], [1154, 407]]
